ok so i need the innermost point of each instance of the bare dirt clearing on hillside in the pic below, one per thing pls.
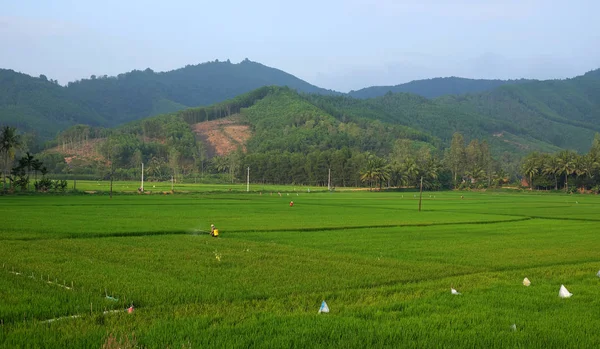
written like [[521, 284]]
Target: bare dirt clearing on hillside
[[223, 136], [87, 150]]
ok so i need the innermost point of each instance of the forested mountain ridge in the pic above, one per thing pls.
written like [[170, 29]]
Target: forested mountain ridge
[[45, 108], [564, 113], [518, 118], [436, 87], [40, 105], [139, 94], [292, 141], [297, 138]]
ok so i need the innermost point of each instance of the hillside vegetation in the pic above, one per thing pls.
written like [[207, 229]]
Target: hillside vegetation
[[45, 108], [515, 116], [435, 87]]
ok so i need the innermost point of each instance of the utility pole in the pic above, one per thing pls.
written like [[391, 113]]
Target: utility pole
[[248, 180], [112, 172], [112, 168], [421, 194], [329, 180], [172, 179], [142, 187]]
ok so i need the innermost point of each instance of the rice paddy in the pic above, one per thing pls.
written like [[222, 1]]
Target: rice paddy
[[73, 264]]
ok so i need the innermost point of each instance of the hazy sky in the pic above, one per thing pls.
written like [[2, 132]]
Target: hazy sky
[[335, 44]]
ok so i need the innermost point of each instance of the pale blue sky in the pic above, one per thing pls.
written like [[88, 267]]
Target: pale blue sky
[[336, 44]]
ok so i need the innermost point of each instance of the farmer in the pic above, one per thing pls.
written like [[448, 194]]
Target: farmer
[[212, 230]]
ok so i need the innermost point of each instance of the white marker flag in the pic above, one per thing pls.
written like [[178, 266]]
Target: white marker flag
[[453, 291], [564, 293], [526, 282], [324, 308]]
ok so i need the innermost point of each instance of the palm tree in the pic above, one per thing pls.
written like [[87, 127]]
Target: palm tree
[[551, 168], [566, 165], [36, 165], [530, 167], [368, 174], [28, 163], [585, 165], [396, 174], [411, 170], [430, 171], [9, 142], [376, 169]]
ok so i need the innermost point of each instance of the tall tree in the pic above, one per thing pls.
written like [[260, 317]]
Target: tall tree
[[566, 165], [456, 156], [28, 161], [9, 142], [531, 167], [551, 167]]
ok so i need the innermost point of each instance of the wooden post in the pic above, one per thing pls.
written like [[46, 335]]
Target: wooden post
[[421, 194], [142, 177]]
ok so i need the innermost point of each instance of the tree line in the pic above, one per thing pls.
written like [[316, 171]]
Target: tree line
[[565, 170], [19, 176]]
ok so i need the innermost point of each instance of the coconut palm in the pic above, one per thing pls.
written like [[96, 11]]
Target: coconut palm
[[27, 162], [36, 166], [551, 168], [566, 165], [411, 170], [531, 167], [430, 171], [376, 169], [585, 166], [396, 174], [9, 142]]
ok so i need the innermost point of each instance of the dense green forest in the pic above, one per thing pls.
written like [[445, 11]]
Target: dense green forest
[[297, 138], [436, 87], [518, 118], [43, 107]]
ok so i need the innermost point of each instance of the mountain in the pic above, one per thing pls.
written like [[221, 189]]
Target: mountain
[[435, 87], [281, 134], [290, 137], [40, 105], [139, 94], [517, 117], [563, 113], [36, 104]]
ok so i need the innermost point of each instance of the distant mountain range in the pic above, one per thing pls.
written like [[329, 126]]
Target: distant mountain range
[[43, 106], [435, 87], [517, 115]]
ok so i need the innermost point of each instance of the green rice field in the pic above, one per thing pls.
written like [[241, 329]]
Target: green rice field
[[71, 265]]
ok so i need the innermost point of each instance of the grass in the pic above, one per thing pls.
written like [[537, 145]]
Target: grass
[[384, 269]]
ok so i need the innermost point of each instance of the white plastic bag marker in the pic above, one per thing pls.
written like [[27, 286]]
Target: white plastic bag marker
[[564, 293], [598, 274], [453, 291], [526, 282], [513, 327], [324, 308]]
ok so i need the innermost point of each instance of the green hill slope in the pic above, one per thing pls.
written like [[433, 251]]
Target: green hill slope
[[435, 87], [39, 105], [134, 95], [519, 117], [564, 113], [44, 107]]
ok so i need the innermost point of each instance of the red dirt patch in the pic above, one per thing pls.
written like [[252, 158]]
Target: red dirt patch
[[87, 150], [223, 136]]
